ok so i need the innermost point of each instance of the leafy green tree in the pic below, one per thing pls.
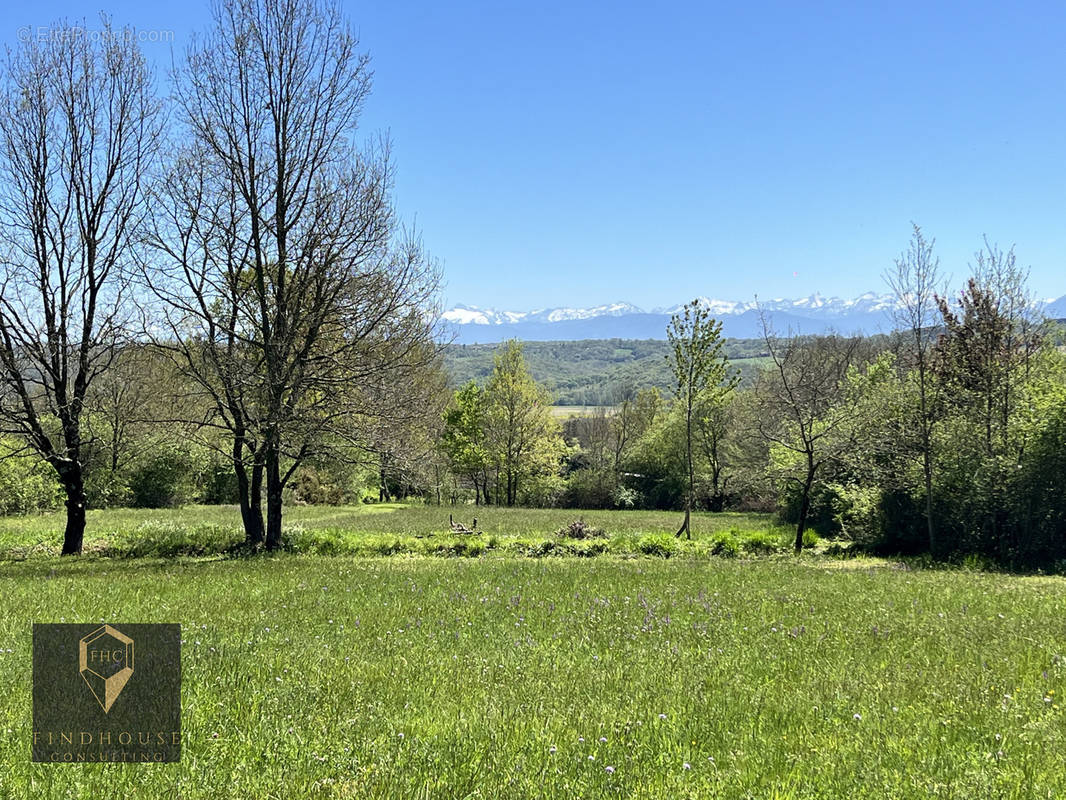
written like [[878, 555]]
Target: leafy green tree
[[523, 438], [463, 439], [702, 378]]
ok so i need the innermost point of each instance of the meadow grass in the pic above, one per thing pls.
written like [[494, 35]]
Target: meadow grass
[[390, 529], [558, 678]]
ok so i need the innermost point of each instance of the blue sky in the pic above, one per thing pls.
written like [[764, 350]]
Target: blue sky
[[576, 153]]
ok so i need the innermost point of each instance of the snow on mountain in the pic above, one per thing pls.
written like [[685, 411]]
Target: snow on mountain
[[869, 312], [472, 315]]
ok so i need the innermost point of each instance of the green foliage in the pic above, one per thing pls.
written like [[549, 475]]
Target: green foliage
[[595, 372], [27, 484], [463, 438], [312, 486], [162, 477], [763, 543], [725, 544], [658, 544], [522, 438]]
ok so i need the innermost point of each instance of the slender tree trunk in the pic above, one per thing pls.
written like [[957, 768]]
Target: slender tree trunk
[[273, 478], [686, 526], [805, 507], [927, 467], [927, 453], [74, 534]]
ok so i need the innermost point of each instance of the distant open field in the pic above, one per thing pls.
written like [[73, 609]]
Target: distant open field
[[390, 529], [341, 677]]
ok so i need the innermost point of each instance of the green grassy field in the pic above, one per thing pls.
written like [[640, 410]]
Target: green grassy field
[[391, 529], [508, 677]]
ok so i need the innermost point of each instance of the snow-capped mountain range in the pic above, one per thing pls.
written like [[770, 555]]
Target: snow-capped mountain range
[[867, 313]]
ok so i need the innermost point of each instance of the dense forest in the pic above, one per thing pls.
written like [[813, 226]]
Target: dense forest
[[593, 372]]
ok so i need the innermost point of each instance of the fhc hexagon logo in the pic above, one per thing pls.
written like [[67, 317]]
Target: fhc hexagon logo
[[106, 692], [105, 659]]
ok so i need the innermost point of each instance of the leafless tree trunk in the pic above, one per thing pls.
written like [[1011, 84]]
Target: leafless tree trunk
[[78, 129]]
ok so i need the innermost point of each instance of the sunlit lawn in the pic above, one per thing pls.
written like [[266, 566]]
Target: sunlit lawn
[[563, 677]]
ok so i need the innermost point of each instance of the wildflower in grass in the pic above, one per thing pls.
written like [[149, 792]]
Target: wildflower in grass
[[592, 758], [581, 739], [662, 716], [686, 765], [857, 717], [603, 740], [610, 770], [551, 750]]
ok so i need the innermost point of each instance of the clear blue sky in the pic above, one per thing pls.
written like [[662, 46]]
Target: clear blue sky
[[575, 153]]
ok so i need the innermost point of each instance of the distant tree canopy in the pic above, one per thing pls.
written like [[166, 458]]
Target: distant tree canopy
[[503, 439]]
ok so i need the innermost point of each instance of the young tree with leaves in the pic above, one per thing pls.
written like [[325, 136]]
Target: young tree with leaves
[[522, 437], [463, 439], [702, 377]]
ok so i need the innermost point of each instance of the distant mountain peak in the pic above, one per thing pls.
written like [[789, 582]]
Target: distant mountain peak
[[869, 312]]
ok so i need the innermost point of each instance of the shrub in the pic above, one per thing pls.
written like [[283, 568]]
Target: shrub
[[725, 544], [161, 478], [27, 484], [658, 544], [760, 542], [312, 487], [579, 529]]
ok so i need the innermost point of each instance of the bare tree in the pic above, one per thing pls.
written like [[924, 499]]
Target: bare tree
[[807, 409], [916, 281], [289, 286], [78, 129]]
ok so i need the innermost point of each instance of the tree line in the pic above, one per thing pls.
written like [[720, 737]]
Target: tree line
[[946, 437]]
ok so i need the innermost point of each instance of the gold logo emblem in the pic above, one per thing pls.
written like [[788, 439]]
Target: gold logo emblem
[[105, 661]]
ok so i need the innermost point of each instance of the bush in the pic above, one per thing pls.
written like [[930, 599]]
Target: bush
[[760, 542], [579, 529], [311, 487], [162, 478], [725, 544], [590, 488], [27, 484], [658, 544], [218, 483], [823, 516]]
